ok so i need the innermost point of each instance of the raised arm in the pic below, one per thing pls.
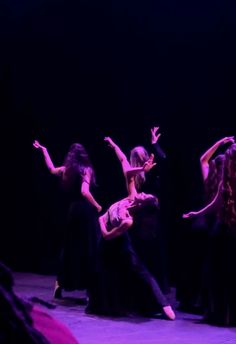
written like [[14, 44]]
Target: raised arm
[[115, 232], [209, 207], [204, 160], [52, 169], [126, 167], [128, 171], [85, 190], [120, 155], [160, 154]]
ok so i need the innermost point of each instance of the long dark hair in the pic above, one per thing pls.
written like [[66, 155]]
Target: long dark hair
[[77, 162], [16, 325], [215, 175], [229, 187]]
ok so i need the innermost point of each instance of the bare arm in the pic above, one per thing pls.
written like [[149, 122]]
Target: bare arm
[[126, 167], [120, 155], [115, 232], [128, 171], [52, 169], [204, 160], [147, 166], [85, 190], [207, 208]]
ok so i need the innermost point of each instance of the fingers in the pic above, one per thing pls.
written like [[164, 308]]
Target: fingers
[[229, 139], [149, 165], [154, 130], [185, 216], [151, 157], [155, 135], [36, 144], [107, 139]]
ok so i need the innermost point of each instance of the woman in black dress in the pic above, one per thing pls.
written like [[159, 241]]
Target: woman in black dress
[[221, 285], [81, 235], [192, 289]]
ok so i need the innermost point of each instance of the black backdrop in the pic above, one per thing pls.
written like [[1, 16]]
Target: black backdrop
[[79, 70]]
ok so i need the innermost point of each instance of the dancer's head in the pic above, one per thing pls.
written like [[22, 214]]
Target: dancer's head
[[77, 155], [138, 156], [143, 201], [215, 175], [76, 162]]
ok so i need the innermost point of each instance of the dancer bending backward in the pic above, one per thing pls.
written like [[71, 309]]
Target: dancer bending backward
[[120, 217], [82, 227]]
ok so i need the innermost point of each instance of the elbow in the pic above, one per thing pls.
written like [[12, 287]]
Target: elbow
[[52, 170], [106, 236], [203, 160], [85, 193], [129, 223]]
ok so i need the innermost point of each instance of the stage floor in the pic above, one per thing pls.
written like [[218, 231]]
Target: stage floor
[[186, 329]]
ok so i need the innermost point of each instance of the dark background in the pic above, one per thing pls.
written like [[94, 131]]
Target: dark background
[[76, 71]]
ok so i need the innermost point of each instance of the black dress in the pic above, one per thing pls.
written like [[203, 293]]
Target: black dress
[[220, 278], [80, 241]]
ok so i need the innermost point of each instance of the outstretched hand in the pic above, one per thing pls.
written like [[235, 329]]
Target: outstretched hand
[[109, 141], [37, 145], [189, 215], [149, 164], [154, 135], [228, 139]]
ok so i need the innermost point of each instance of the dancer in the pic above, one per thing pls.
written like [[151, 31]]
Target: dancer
[[150, 234], [147, 235], [82, 232], [191, 289], [139, 155], [221, 298], [117, 255]]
